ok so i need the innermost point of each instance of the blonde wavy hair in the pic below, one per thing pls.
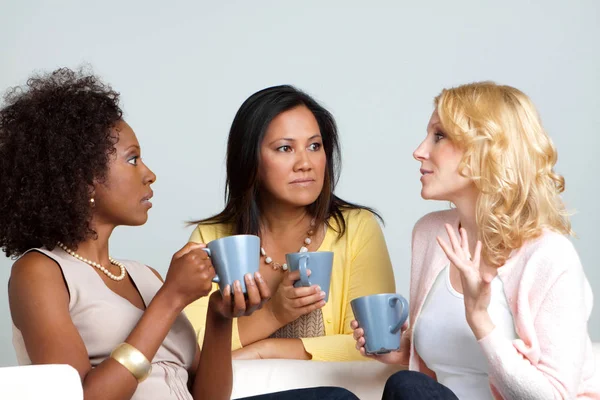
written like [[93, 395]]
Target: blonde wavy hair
[[511, 159]]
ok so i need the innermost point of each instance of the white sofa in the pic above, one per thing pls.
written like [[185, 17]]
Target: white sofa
[[363, 378], [33, 382]]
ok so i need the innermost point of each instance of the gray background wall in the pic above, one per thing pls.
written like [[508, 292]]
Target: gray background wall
[[184, 67]]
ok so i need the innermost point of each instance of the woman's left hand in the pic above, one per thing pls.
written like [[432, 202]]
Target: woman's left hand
[[475, 280]]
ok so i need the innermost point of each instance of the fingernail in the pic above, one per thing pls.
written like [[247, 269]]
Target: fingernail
[[322, 302], [318, 288], [322, 294], [258, 276], [237, 285], [249, 279], [227, 289]]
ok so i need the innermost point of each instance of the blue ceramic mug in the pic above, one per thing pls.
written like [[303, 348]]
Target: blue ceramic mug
[[381, 316], [320, 264], [233, 257]]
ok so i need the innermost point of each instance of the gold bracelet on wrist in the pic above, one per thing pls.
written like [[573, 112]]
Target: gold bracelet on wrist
[[132, 359]]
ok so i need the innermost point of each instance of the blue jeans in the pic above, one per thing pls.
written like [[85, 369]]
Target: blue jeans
[[317, 393], [405, 385]]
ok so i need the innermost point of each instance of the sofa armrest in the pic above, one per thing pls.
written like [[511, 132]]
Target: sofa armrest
[[34, 382], [365, 379]]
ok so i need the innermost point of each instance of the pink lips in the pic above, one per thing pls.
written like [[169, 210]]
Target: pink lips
[[424, 173], [148, 196], [303, 180], [146, 199]]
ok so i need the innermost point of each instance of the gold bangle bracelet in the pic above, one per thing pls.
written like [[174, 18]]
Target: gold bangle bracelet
[[132, 359]]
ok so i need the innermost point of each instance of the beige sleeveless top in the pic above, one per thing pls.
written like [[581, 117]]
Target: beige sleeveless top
[[104, 319]]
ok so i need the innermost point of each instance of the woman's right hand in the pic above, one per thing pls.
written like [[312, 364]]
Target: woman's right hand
[[289, 303], [190, 274], [395, 357]]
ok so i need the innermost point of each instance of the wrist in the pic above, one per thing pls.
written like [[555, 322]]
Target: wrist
[[214, 313], [169, 300], [481, 324], [262, 348], [215, 318], [272, 316]]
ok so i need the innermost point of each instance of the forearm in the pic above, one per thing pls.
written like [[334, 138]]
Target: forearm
[[481, 323], [214, 377], [341, 347], [292, 349], [260, 325], [111, 380], [514, 375]]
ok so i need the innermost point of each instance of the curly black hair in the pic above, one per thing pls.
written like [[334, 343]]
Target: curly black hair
[[55, 142]]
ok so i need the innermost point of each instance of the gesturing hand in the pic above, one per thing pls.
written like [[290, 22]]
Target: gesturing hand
[[475, 280]]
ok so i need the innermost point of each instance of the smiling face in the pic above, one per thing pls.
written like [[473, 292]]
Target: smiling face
[[292, 159], [123, 198], [440, 160]]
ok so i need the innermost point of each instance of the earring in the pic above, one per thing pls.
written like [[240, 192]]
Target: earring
[[92, 202]]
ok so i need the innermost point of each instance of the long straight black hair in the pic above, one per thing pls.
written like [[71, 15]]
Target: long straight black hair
[[243, 151]]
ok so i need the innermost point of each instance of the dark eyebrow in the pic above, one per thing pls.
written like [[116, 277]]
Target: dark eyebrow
[[318, 135]]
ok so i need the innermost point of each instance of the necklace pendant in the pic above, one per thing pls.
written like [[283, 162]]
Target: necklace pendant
[[284, 267]]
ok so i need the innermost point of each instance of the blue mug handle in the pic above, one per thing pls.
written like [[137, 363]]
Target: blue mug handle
[[302, 265], [216, 278], [393, 302]]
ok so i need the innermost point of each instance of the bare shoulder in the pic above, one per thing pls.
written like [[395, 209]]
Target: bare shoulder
[[155, 272], [39, 306], [35, 277], [35, 269]]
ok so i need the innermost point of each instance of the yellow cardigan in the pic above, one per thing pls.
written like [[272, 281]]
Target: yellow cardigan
[[361, 266]]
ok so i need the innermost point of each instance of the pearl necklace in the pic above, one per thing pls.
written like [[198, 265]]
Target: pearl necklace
[[97, 265], [303, 249]]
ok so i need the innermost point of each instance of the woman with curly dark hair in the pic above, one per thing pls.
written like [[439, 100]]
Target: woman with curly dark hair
[[70, 172]]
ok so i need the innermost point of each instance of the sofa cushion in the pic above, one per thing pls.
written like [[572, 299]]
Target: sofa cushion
[[365, 379], [34, 382]]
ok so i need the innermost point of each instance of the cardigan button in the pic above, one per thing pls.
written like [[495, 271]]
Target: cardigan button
[[329, 320]]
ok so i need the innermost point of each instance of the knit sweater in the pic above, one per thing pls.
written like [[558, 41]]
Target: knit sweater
[[361, 266], [550, 300]]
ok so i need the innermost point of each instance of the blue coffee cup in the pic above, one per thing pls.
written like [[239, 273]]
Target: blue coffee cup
[[381, 316], [233, 257], [320, 264]]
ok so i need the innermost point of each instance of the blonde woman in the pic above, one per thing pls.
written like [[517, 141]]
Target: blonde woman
[[499, 299]]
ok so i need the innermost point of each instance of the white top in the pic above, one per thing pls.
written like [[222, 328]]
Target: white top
[[447, 344]]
